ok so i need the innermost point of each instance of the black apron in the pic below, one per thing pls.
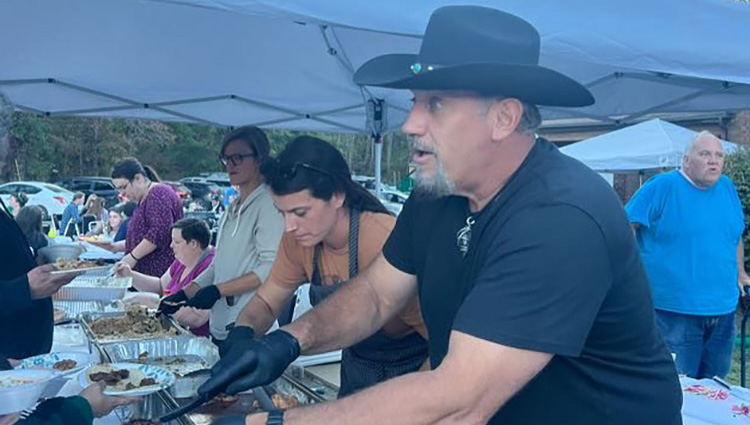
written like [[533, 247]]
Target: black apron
[[380, 356]]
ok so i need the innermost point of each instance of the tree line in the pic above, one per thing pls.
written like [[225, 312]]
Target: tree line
[[54, 148]]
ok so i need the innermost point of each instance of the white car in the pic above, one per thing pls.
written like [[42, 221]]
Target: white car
[[52, 198]]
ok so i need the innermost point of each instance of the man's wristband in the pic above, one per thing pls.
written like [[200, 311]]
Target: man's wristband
[[134, 257], [275, 417]]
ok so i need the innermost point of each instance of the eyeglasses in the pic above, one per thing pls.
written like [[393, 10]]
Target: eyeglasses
[[122, 188], [290, 172], [235, 159]]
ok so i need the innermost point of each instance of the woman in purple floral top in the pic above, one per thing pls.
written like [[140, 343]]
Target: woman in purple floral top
[[149, 230]]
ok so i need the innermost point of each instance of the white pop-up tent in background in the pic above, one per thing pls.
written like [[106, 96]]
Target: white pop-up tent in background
[[648, 145]]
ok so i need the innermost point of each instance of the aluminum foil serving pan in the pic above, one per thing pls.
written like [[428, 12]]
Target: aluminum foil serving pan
[[94, 288], [133, 324], [75, 308], [188, 357]]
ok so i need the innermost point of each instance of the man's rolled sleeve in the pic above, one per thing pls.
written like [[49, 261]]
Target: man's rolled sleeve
[[642, 207]]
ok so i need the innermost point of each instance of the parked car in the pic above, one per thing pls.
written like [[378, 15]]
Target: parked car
[[203, 192], [182, 191], [100, 186], [51, 198], [394, 196]]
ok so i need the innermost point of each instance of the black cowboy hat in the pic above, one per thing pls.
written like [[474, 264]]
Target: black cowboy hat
[[473, 48]]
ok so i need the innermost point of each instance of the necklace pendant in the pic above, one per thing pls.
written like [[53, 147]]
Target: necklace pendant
[[463, 237]]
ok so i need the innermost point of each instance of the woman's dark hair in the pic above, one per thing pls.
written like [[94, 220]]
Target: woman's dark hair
[[253, 136], [128, 207], [29, 219], [193, 229], [128, 168], [21, 198], [314, 164]]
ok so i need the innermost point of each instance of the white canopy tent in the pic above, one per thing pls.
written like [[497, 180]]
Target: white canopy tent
[[289, 63], [648, 145]]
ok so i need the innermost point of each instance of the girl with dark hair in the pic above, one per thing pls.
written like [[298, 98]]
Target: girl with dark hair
[[333, 229], [29, 219], [193, 255], [247, 239], [148, 236]]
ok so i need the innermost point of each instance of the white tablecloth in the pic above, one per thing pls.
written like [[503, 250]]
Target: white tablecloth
[[709, 407]]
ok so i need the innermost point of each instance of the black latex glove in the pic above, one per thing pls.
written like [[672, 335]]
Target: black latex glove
[[237, 335], [170, 304], [249, 364], [205, 298]]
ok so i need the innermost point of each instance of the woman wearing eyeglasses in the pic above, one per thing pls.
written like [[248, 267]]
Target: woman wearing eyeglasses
[[334, 228], [248, 236], [150, 227]]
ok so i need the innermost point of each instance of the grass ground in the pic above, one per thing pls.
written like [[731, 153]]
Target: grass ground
[[734, 373]]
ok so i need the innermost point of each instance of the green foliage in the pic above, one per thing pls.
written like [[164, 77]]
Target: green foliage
[[51, 149], [737, 167]]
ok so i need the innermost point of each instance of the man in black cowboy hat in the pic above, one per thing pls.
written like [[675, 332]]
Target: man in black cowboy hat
[[531, 285]]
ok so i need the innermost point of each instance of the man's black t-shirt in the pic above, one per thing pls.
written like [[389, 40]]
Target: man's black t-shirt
[[553, 267]]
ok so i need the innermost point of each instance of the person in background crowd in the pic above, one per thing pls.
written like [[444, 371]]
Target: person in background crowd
[[248, 237], [71, 217], [190, 243], [333, 228], [94, 212], [17, 201], [689, 225], [127, 210], [530, 282], [149, 229], [29, 219]]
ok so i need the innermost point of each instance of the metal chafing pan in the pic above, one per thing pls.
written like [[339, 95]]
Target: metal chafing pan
[[75, 308], [95, 287], [188, 357], [87, 319], [244, 404]]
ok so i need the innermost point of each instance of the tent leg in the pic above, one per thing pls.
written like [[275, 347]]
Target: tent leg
[[378, 141]]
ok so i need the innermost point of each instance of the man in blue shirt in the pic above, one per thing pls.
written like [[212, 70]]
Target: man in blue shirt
[[71, 215], [689, 226]]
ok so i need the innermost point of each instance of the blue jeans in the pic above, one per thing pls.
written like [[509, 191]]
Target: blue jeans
[[703, 344]]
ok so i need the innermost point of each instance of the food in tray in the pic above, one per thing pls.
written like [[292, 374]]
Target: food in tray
[[64, 365], [280, 401], [180, 365], [225, 399], [136, 323], [68, 264], [59, 314], [95, 238]]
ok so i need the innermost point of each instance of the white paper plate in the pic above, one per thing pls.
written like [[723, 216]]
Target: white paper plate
[[47, 361], [20, 389], [164, 378], [83, 270]]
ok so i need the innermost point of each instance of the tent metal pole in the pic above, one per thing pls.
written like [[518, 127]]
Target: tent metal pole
[[378, 142]]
